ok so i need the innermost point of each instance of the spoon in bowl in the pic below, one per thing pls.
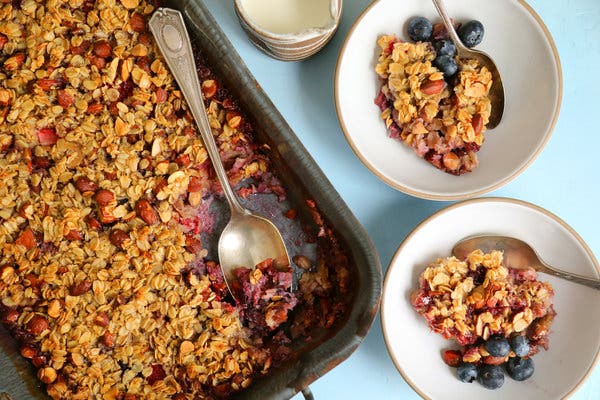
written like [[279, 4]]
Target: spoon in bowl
[[496, 93], [517, 254], [247, 239]]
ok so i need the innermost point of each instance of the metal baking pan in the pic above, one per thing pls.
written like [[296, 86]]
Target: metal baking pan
[[303, 180]]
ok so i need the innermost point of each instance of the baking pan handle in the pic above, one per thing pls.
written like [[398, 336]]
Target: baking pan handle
[[307, 393]]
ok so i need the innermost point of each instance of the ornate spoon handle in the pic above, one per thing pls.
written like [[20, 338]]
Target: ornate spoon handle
[[593, 283], [172, 38]]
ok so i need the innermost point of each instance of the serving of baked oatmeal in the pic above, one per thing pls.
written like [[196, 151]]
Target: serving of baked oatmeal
[[483, 304], [442, 120], [105, 281]]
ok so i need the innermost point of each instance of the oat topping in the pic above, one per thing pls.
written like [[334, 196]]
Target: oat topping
[[479, 297], [442, 123], [105, 189]]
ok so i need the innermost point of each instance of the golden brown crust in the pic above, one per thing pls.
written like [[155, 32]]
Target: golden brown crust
[[97, 158]]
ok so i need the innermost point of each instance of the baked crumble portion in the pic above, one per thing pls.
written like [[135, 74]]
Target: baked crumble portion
[[443, 123], [473, 299], [106, 188]]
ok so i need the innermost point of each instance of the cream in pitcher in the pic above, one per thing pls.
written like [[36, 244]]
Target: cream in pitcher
[[288, 16]]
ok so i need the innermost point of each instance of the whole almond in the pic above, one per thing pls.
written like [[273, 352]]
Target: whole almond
[[137, 22], [47, 84], [81, 288], [64, 99], [102, 49], [117, 237], [161, 95], [37, 325], [104, 197], [84, 184], [432, 87], [477, 123], [145, 211]]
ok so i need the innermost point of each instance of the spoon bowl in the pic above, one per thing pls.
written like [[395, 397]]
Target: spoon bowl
[[247, 239], [517, 254], [496, 93]]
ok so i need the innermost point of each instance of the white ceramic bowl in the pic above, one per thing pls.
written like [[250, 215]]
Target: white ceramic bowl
[[292, 46], [522, 48], [574, 340]]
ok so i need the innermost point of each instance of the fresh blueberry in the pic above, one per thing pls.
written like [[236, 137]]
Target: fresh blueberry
[[519, 368], [497, 346], [447, 65], [471, 33], [444, 48], [491, 376], [467, 372], [419, 29], [520, 345]]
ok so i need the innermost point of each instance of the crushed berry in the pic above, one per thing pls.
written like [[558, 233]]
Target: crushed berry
[[158, 374]]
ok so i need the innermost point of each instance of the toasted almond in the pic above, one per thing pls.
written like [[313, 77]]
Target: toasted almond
[[104, 197], [433, 87], [146, 212]]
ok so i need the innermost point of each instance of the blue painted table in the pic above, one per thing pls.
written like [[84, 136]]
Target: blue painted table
[[565, 178]]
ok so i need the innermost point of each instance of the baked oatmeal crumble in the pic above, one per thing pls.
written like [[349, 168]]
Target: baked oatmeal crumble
[[442, 123], [474, 299], [105, 189]]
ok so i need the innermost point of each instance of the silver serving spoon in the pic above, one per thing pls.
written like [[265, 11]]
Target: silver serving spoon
[[247, 239], [517, 254], [496, 93]]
